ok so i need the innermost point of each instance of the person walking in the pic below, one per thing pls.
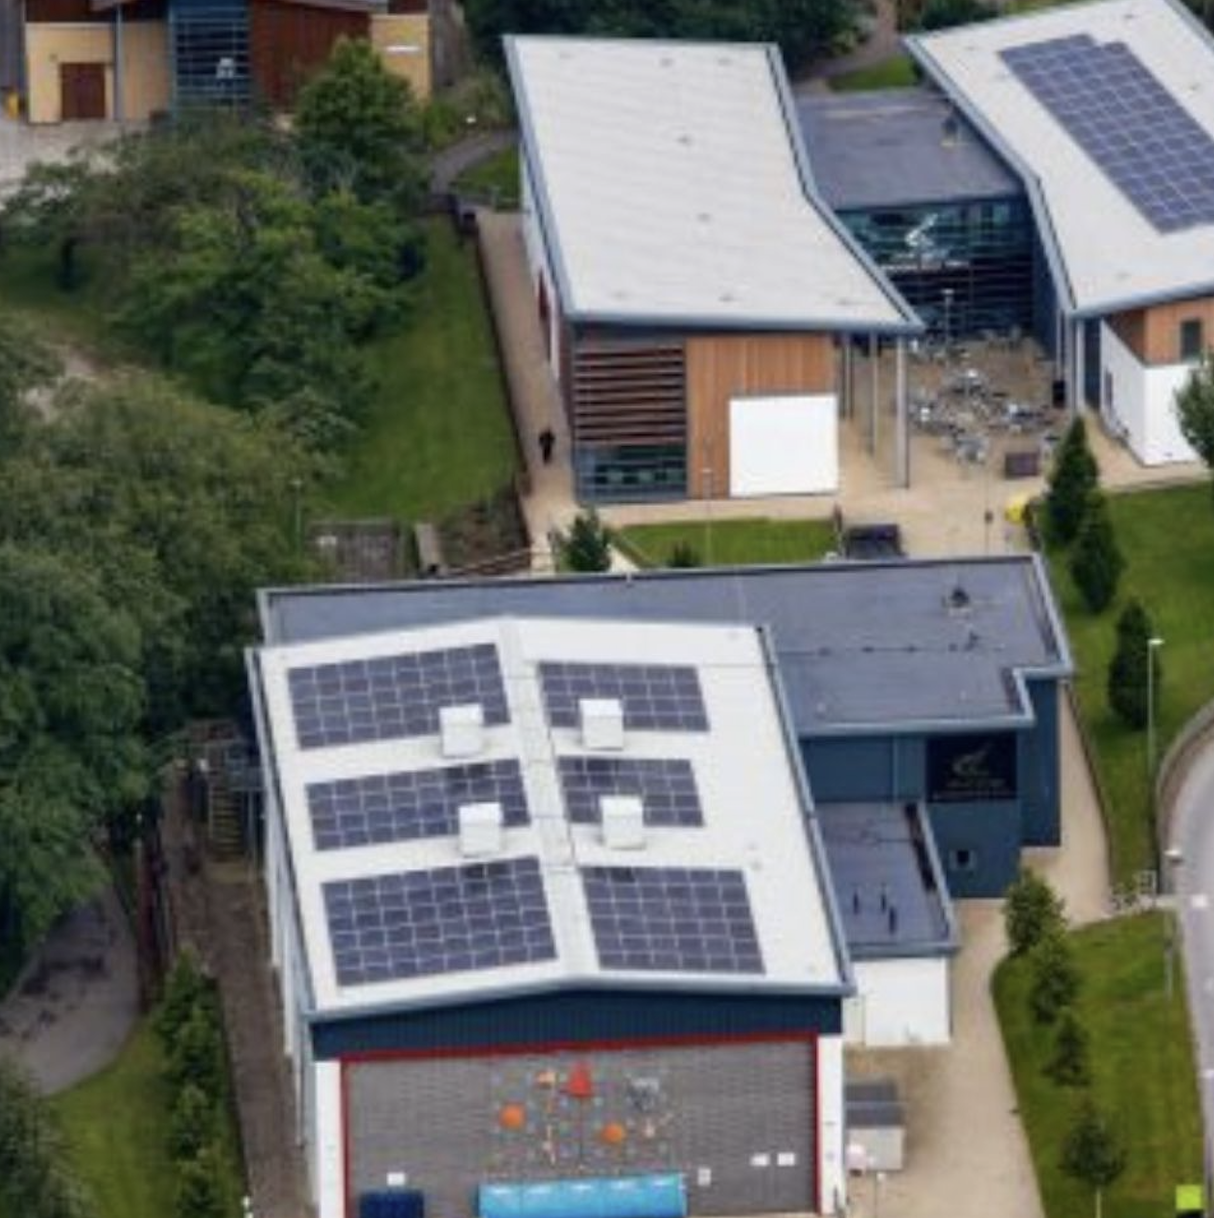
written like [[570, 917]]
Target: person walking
[[547, 439]]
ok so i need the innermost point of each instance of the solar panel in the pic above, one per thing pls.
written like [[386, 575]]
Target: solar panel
[[672, 919], [1115, 108], [448, 920], [654, 696], [412, 804], [393, 696], [667, 788]]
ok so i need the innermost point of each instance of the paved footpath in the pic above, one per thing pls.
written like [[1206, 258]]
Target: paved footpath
[[75, 1004]]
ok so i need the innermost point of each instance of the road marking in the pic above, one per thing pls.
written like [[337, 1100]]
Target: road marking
[[1199, 900]]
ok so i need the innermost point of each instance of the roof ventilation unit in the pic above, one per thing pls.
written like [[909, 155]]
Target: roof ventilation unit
[[623, 822], [462, 729], [602, 724], [480, 830]]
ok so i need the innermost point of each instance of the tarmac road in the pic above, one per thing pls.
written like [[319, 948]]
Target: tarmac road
[[1193, 835]]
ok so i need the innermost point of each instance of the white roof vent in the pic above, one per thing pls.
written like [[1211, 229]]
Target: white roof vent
[[462, 729], [602, 723], [623, 822], [480, 829]]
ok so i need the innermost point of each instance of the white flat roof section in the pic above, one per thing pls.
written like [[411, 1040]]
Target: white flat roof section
[[1110, 252], [745, 840], [672, 190]]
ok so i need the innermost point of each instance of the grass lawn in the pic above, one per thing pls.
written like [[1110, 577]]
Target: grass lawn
[[115, 1125], [1142, 1062], [896, 72], [438, 435], [731, 542], [1168, 540], [496, 178]]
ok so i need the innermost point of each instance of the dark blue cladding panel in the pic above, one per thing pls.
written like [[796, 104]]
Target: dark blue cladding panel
[[578, 1017]]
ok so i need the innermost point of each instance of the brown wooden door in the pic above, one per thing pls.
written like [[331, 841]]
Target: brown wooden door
[[82, 90]]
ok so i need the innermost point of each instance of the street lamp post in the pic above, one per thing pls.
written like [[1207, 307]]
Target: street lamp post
[[1153, 645]]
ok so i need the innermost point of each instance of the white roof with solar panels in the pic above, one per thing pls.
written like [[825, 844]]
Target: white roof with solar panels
[[1107, 108], [509, 805], [670, 180]]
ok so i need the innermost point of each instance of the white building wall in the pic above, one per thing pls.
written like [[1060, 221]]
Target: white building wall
[[325, 1160], [540, 266], [1138, 400], [899, 1002], [832, 1165]]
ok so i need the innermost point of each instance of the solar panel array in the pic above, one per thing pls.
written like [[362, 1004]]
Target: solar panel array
[[663, 697], [447, 920], [1125, 119], [412, 804], [671, 919], [666, 787], [393, 696]]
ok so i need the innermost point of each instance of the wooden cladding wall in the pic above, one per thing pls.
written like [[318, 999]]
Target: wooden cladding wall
[[1154, 334], [725, 366], [628, 393], [288, 42]]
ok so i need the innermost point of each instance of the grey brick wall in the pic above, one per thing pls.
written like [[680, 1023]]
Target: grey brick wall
[[737, 1120]]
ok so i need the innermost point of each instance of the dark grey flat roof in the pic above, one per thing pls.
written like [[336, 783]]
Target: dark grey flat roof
[[888, 148], [863, 647], [888, 887]]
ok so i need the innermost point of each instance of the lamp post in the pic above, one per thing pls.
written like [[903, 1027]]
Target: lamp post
[[1153, 645], [948, 328]]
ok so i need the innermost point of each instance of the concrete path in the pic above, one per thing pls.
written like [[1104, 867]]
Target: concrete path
[[21, 145], [447, 165], [73, 1008], [533, 392], [882, 42], [965, 1141]]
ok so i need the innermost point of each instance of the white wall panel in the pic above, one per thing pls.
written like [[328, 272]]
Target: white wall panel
[[783, 445], [900, 1002]]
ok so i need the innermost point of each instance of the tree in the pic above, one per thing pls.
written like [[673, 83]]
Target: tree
[[1069, 1064], [185, 990], [1097, 562], [200, 1191], [192, 1122], [1092, 1153], [71, 756], [1072, 479], [358, 128], [587, 545], [1129, 682], [35, 1181], [1195, 410], [1055, 978], [1032, 913], [196, 1054]]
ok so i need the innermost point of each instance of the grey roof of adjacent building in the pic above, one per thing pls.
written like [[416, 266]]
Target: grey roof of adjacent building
[[898, 147], [893, 647], [889, 886]]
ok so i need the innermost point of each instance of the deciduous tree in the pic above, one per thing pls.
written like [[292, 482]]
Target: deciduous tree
[[1069, 1063], [1092, 1152], [1032, 913], [1055, 978]]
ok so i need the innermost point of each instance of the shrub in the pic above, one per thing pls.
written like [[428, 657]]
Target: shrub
[[184, 990], [191, 1123], [683, 555], [1097, 562], [196, 1054], [1128, 679], [200, 1187], [1073, 478], [1069, 1064], [587, 545], [1055, 984], [1033, 913]]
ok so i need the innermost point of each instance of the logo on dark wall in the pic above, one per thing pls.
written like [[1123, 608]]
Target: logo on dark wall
[[961, 769]]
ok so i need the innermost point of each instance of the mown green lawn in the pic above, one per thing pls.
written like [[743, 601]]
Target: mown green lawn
[[896, 72], [116, 1124], [1167, 537], [730, 542], [438, 435], [1143, 1071], [496, 179]]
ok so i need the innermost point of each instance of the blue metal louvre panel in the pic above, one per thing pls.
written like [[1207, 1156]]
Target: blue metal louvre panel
[[662, 697], [209, 51], [666, 786], [394, 696], [411, 804], [446, 920], [1112, 105], [672, 919]]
